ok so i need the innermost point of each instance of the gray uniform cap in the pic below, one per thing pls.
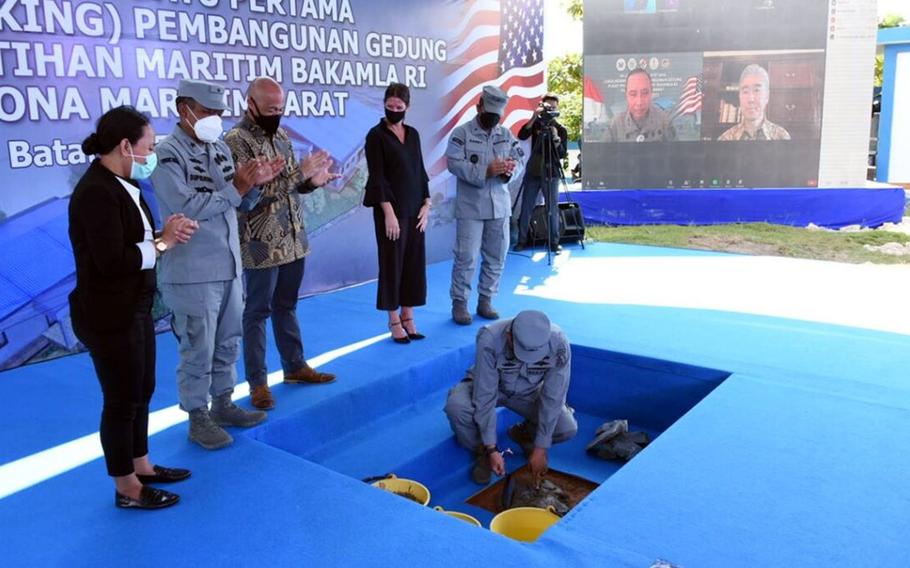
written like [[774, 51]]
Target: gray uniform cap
[[207, 94], [494, 100], [531, 335]]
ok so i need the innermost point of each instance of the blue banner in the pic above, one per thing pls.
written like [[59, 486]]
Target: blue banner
[[64, 63]]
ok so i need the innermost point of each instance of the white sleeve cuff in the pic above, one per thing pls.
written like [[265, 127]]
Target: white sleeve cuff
[[147, 248]]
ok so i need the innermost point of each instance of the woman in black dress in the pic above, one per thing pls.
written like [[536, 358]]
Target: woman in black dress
[[115, 249], [398, 191]]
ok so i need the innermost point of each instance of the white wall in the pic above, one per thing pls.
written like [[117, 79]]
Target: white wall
[[899, 157]]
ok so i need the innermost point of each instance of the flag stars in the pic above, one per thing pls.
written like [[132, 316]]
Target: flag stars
[[521, 33]]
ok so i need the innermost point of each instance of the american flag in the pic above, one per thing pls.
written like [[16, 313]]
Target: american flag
[[691, 98], [494, 43]]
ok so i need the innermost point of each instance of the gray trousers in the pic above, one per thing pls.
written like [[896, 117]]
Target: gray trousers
[[491, 238], [272, 292], [207, 323], [460, 411]]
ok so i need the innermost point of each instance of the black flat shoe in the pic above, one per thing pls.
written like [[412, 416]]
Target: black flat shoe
[[164, 475], [415, 336], [402, 340], [149, 498]]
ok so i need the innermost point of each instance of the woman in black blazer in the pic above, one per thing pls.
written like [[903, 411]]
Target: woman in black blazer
[[115, 249]]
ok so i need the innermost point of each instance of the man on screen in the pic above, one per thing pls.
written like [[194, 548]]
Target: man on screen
[[754, 92], [642, 121]]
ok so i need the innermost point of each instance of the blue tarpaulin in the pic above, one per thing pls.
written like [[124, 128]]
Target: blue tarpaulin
[[832, 208]]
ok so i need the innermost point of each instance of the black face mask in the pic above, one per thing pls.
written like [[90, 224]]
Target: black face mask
[[488, 120], [268, 123], [394, 116]]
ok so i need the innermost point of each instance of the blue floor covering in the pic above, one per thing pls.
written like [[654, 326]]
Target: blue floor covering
[[794, 457]]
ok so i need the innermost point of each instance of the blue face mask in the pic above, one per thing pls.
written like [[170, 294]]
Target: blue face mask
[[143, 171]]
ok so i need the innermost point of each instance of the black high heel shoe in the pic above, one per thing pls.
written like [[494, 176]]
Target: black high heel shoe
[[414, 335], [402, 340]]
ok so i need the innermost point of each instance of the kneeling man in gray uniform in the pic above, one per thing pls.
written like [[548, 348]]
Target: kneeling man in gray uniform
[[522, 364]]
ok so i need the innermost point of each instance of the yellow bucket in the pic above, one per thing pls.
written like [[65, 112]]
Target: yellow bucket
[[407, 488], [523, 523], [460, 516]]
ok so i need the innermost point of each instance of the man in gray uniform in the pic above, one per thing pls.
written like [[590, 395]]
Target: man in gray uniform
[[201, 281], [483, 156], [642, 121], [523, 364]]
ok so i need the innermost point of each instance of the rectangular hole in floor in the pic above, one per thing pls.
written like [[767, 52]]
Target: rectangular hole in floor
[[396, 424]]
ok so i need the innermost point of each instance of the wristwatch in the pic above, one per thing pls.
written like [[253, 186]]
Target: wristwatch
[[160, 246], [492, 450]]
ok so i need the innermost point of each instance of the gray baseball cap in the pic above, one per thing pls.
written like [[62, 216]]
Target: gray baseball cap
[[207, 94], [531, 335], [494, 100]]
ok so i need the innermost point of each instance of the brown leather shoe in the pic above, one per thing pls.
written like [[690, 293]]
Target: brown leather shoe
[[310, 376], [261, 397]]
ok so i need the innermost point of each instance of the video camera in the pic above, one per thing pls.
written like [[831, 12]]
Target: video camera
[[547, 113]]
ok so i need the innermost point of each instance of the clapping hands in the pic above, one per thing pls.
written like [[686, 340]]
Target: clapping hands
[[316, 168], [178, 229], [257, 171]]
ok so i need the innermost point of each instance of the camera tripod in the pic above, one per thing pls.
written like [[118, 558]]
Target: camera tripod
[[546, 151]]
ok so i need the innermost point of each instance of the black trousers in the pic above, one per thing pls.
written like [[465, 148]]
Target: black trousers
[[125, 365], [402, 264]]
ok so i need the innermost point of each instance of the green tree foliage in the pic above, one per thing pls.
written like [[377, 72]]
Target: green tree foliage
[[575, 8], [565, 73], [565, 78], [879, 70], [889, 21]]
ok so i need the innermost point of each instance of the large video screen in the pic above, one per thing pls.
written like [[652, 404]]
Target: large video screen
[[704, 93]]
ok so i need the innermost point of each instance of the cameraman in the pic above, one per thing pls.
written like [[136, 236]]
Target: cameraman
[[536, 175]]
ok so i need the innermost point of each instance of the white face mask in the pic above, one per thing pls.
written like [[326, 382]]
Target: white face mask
[[209, 128]]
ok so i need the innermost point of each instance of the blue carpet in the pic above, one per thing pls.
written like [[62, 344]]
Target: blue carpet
[[777, 444]]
